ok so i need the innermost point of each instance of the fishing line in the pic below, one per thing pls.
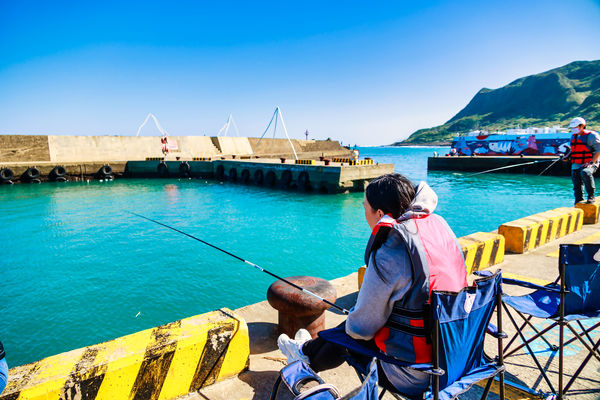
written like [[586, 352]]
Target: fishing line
[[247, 262], [508, 166], [501, 168]]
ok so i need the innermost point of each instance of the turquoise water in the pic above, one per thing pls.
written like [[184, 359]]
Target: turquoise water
[[78, 270]]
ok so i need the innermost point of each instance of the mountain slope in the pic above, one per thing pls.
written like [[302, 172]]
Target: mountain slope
[[549, 98]]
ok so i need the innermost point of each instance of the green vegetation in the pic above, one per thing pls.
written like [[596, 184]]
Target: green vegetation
[[551, 98]]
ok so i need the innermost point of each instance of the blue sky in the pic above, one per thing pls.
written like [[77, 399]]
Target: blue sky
[[364, 73]]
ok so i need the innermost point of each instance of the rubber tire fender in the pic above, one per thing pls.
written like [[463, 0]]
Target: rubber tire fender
[[303, 179], [271, 178], [184, 169], [163, 169], [245, 175], [220, 172], [31, 174], [58, 171], [233, 174], [259, 177], [105, 170], [286, 178], [6, 174]]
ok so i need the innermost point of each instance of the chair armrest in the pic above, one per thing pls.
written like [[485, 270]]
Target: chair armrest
[[530, 285]]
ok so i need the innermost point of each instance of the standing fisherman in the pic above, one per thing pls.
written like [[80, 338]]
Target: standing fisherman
[[585, 157]]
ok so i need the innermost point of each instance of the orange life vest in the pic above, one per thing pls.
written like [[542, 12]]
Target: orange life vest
[[580, 152]]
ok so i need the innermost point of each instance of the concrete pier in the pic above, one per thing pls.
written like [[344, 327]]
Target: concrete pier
[[323, 165], [280, 173]]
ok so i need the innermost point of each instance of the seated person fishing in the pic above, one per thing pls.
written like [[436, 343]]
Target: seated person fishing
[[410, 253]]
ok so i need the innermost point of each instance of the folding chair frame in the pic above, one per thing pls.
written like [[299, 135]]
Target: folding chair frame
[[561, 321], [436, 371]]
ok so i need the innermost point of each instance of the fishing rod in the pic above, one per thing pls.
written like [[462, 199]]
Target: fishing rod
[[247, 262], [562, 156]]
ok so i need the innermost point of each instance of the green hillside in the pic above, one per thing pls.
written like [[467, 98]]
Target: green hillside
[[550, 98]]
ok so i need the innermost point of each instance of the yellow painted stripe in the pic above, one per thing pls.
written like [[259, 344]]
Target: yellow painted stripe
[[593, 238], [238, 350], [537, 281], [187, 357], [124, 357]]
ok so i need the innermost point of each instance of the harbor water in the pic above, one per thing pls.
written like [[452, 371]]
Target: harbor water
[[78, 269]]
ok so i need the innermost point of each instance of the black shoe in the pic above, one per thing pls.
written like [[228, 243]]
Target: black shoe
[[591, 200]]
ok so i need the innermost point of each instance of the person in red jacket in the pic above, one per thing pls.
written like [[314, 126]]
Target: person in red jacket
[[585, 157]]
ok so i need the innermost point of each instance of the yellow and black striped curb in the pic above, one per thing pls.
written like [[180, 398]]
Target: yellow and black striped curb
[[482, 250], [530, 232], [309, 162], [201, 159], [155, 159], [353, 162], [160, 363], [591, 212], [340, 160]]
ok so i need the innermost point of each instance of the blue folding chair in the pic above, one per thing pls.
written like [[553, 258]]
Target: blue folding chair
[[572, 298], [459, 324]]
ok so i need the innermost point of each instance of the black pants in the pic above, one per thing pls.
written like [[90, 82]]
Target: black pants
[[324, 355], [583, 177]]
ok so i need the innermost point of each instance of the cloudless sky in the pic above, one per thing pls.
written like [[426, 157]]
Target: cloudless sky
[[362, 72]]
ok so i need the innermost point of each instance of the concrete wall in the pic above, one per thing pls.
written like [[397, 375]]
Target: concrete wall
[[23, 148], [65, 149], [235, 145], [126, 148]]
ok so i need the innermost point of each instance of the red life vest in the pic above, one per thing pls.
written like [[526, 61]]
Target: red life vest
[[437, 264], [580, 152]]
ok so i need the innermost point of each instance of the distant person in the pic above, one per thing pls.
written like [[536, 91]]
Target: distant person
[[585, 157], [3, 369], [453, 152], [164, 145]]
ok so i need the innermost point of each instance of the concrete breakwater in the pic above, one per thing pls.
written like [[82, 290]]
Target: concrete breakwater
[[324, 165]]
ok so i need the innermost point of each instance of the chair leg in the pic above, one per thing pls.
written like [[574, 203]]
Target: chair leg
[[561, 347], [584, 343], [541, 369], [531, 339], [584, 330], [515, 336], [583, 364], [553, 347], [488, 386]]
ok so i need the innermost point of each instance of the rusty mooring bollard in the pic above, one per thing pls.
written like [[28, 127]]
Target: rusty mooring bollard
[[300, 310]]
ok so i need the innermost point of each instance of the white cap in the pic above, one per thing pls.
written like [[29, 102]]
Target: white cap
[[576, 122]]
